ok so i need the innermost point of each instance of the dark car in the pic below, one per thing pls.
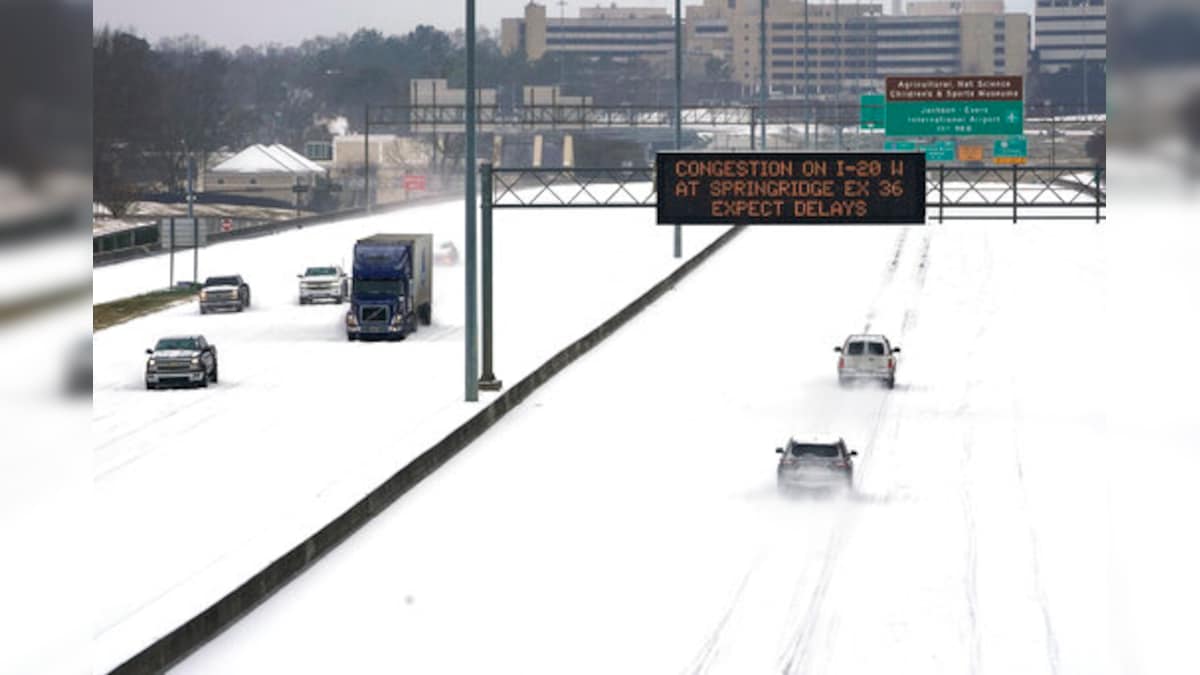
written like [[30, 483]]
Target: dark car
[[816, 463], [187, 360], [229, 292]]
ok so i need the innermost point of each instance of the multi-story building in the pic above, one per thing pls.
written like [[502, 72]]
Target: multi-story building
[[963, 44], [851, 47], [621, 32], [1071, 32], [826, 48]]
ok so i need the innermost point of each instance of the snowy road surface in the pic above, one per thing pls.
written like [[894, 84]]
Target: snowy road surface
[[1023, 500], [196, 490]]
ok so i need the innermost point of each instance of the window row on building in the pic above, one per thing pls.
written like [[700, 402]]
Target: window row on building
[[970, 37]]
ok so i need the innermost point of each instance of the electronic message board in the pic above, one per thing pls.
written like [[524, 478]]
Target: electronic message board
[[805, 188]]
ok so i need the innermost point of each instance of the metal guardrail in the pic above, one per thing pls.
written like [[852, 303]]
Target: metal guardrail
[[952, 192]]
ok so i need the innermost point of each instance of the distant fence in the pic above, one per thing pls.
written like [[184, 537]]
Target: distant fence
[[153, 238]]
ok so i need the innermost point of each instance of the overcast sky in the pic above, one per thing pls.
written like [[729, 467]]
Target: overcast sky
[[233, 23]]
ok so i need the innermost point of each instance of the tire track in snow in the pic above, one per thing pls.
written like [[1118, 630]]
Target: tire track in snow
[[711, 648], [970, 585], [1039, 588], [808, 605], [798, 654]]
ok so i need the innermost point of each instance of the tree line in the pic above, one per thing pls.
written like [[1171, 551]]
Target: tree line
[[156, 104]]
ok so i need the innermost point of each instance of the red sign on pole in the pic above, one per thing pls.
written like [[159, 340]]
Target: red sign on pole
[[414, 183]]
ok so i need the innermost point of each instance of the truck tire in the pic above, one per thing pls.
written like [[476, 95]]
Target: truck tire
[[426, 313], [214, 374]]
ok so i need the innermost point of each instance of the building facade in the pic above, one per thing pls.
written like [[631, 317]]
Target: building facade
[[1071, 32], [828, 49], [618, 32], [953, 7], [852, 47]]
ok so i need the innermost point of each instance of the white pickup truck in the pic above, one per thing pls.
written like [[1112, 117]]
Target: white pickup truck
[[867, 357], [324, 283]]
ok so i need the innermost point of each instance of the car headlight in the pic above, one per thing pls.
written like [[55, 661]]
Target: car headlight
[[195, 361], [203, 295], [350, 320], [150, 363], [397, 319]]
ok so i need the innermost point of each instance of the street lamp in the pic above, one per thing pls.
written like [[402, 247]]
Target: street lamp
[[471, 348]]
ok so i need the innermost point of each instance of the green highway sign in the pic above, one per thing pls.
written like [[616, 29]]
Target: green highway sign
[[955, 106], [937, 151], [940, 151], [871, 115], [1016, 146], [955, 118]]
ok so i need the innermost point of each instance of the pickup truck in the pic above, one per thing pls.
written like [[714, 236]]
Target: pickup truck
[[324, 283], [229, 292], [187, 360], [392, 289], [867, 357]]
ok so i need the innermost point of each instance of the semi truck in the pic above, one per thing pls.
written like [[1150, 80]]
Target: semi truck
[[392, 286]]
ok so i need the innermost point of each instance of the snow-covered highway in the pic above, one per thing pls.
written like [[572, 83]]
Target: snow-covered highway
[[196, 490], [624, 518]]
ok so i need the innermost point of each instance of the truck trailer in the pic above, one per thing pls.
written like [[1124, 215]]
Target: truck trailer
[[392, 286]]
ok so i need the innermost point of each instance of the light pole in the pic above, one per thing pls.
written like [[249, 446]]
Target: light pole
[[762, 61], [472, 349], [678, 246], [367, 157], [1083, 6], [807, 85]]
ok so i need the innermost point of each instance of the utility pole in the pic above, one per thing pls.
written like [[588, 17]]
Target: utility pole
[[562, 55], [472, 348], [191, 198], [807, 84], [1083, 7], [191, 168], [367, 157], [678, 246], [841, 72], [762, 75]]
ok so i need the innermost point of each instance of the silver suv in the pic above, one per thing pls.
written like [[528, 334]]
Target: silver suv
[[818, 462], [324, 283], [867, 357]]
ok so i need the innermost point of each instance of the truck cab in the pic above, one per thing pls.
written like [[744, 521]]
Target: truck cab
[[391, 292]]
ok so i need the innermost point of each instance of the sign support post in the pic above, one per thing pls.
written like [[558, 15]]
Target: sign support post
[[487, 381]]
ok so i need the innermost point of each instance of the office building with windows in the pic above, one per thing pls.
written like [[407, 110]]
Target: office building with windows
[[618, 32], [851, 47], [1070, 32], [824, 48]]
